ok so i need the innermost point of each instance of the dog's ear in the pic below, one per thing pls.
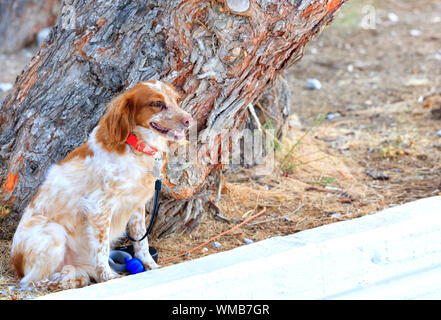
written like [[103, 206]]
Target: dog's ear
[[117, 123]]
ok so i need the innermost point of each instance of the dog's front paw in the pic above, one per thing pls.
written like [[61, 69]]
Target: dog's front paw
[[106, 274], [150, 265], [146, 259]]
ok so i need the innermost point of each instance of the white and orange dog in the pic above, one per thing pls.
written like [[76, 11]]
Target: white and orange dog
[[88, 199]]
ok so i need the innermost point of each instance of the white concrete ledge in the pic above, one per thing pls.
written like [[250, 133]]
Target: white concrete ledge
[[393, 254]]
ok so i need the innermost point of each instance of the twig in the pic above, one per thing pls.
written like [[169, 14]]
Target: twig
[[345, 176], [320, 189], [215, 237], [217, 213], [249, 211], [278, 218]]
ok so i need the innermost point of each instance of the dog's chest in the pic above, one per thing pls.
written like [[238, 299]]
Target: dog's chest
[[134, 181], [130, 190]]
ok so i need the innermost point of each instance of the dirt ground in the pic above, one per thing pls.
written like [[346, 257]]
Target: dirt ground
[[375, 147]]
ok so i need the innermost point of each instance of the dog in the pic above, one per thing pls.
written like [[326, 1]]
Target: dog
[[89, 199]]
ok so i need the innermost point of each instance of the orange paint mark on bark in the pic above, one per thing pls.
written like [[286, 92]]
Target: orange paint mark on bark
[[310, 9], [11, 181], [332, 5]]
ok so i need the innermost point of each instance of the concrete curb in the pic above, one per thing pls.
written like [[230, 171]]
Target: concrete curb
[[393, 254]]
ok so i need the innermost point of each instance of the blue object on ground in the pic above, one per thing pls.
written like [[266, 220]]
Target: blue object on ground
[[134, 265]]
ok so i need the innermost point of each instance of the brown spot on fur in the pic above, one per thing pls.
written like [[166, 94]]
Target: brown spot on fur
[[81, 152], [18, 263]]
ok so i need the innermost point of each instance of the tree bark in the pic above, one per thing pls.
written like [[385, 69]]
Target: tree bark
[[221, 55], [20, 21]]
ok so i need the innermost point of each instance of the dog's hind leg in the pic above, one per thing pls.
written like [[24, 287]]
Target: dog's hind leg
[[39, 249]]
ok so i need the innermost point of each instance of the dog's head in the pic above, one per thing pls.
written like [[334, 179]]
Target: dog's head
[[150, 104]]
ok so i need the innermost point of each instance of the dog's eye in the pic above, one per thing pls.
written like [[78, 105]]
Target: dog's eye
[[157, 104]]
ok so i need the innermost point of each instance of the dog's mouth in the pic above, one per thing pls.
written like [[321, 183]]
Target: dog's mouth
[[159, 128], [172, 134]]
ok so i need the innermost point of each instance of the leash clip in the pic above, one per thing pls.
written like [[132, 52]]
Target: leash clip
[[157, 168]]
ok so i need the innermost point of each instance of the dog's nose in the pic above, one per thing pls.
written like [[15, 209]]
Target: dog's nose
[[187, 121]]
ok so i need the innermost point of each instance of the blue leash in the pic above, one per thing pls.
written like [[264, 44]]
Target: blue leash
[[158, 184]]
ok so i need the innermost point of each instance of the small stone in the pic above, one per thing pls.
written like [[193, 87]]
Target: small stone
[[313, 84], [377, 175], [330, 116], [333, 188], [438, 133], [205, 249], [342, 148], [217, 244], [392, 17], [247, 241], [415, 33], [5, 86]]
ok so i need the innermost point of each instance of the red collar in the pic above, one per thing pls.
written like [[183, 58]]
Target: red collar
[[140, 146]]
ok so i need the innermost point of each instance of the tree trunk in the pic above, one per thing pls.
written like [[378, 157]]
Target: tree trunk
[[20, 21], [219, 54]]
